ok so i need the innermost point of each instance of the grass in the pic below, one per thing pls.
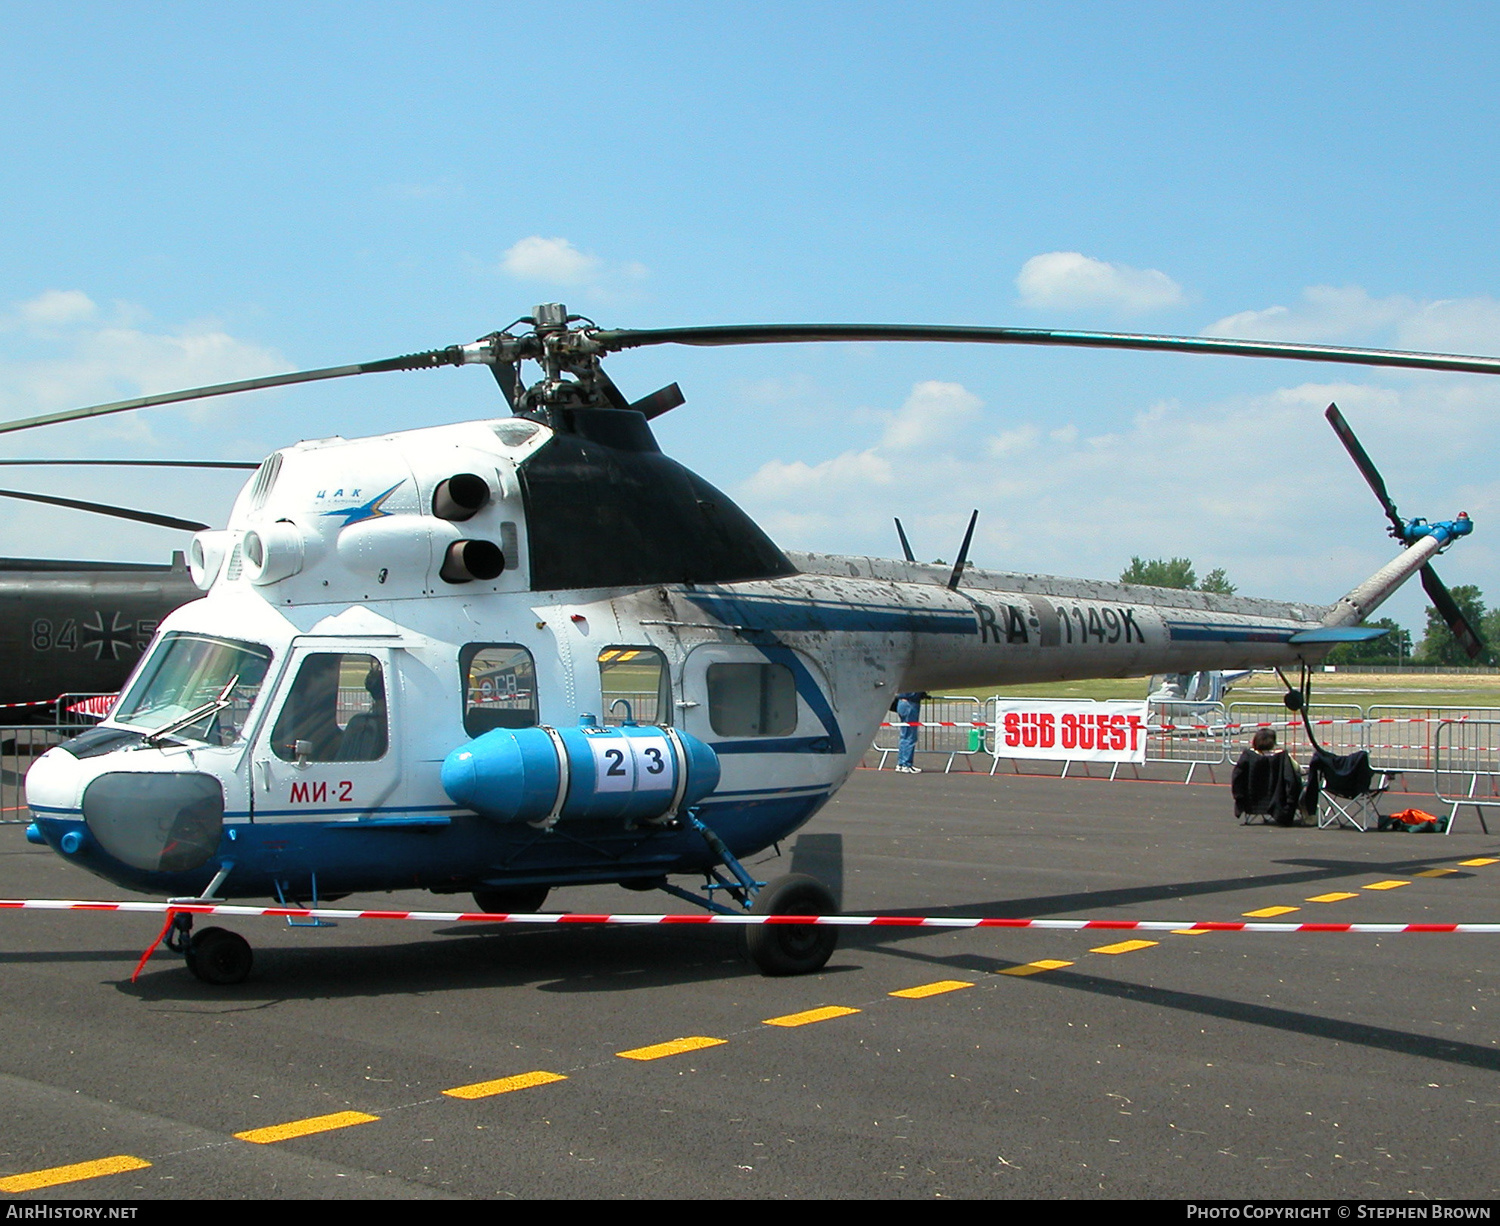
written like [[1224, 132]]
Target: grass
[[1360, 689]]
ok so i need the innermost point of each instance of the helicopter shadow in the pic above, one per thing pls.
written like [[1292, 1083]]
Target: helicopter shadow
[[1199, 1004], [1308, 872], [581, 959]]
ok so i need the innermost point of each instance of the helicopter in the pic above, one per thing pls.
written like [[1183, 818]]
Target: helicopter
[[79, 627], [504, 656]]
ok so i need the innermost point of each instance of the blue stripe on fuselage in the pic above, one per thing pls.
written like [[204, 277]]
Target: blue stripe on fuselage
[[1209, 632], [778, 613]]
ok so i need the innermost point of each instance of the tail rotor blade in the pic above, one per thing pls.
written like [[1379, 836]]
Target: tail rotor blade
[[1448, 609], [1367, 468]]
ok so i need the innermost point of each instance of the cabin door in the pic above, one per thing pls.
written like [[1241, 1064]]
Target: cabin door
[[328, 749]]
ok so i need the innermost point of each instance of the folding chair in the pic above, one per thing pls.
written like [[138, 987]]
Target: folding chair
[[1266, 786], [1346, 789]]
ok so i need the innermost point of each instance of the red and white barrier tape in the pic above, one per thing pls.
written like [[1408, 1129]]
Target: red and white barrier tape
[[838, 921]]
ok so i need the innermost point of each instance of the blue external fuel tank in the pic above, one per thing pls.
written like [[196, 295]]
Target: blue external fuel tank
[[542, 775]]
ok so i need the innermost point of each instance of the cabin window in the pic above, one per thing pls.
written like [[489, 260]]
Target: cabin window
[[635, 679], [334, 712], [499, 687], [752, 699], [185, 672]]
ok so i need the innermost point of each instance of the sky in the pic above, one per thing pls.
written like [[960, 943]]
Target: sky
[[197, 193]]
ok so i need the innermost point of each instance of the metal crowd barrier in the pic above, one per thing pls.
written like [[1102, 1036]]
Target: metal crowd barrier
[[1402, 737], [952, 725], [1338, 727], [1183, 731], [19, 747], [1465, 765], [83, 709], [1467, 749]]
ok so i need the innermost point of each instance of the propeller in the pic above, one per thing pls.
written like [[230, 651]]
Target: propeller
[[1437, 592]]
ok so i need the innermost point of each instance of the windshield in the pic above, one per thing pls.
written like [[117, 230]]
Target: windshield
[[185, 672]]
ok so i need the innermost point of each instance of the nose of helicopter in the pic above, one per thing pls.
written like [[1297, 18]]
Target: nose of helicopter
[[151, 821]]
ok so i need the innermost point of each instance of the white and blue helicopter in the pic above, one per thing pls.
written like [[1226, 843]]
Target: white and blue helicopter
[[509, 655]]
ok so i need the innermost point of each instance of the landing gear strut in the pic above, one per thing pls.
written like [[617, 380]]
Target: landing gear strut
[[775, 949], [791, 949], [215, 955]]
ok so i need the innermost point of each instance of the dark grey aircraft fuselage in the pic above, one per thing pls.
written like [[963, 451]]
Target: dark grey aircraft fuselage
[[79, 627]]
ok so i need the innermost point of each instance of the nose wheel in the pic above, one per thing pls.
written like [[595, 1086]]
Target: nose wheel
[[219, 957]]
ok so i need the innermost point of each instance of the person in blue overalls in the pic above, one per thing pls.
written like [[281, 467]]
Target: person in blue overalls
[[908, 714]]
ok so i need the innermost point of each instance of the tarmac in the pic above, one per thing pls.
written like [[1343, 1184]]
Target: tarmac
[[419, 1060]]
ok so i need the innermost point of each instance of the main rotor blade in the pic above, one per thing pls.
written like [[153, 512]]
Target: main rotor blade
[[247, 464], [102, 508], [770, 334], [1366, 466], [451, 356], [1448, 609]]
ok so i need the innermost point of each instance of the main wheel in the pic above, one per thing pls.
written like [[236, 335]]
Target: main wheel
[[219, 956], [511, 899], [791, 949]]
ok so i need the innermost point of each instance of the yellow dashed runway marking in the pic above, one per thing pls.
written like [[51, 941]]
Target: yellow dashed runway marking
[[1124, 947], [1385, 885], [811, 1015], [487, 1089], [1334, 897], [54, 1175], [1435, 872], [1269, 912], [1479, 863], [305, 1128], [675, 1048], [1035, 968], [933, 989]]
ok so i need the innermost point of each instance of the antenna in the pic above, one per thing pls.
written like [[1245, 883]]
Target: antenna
[[963, 553], [905, 544]]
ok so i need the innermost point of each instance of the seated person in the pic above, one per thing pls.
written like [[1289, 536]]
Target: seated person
[[1266, 782], [364, 738]]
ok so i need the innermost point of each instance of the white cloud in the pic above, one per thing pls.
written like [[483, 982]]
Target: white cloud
[[1455, 325], [1349, 315], [557, 262], [1256, 484], [1013, 442], [1069, 280], [854, 470], [69, 357], [1326, 313], [933, 414], [554, 261], [57, 306]]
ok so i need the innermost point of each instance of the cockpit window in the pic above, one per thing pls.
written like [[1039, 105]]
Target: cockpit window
[[185, 672]]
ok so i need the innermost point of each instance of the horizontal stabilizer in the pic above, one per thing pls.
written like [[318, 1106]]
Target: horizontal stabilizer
[[1340, 634]]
